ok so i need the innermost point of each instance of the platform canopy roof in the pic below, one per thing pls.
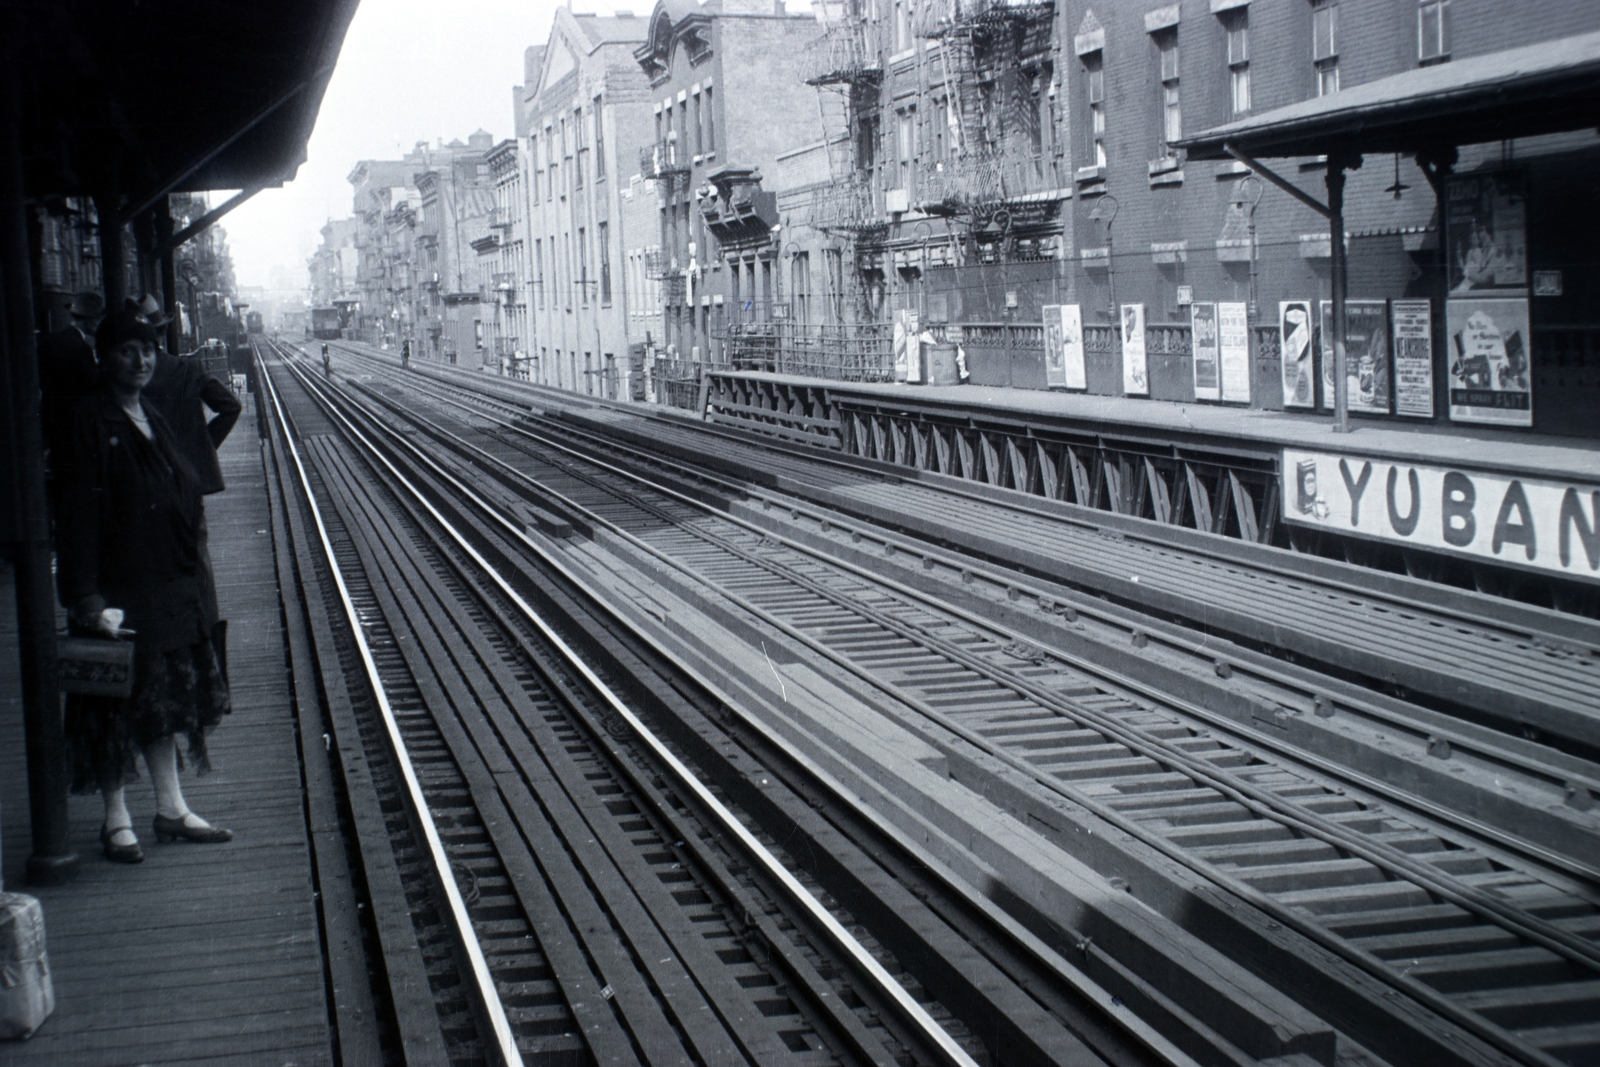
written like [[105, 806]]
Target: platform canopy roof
[[140, 98], [1551, 87]]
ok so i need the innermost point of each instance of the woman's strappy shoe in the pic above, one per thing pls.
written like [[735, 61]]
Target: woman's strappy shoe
[[173, 829], [120, 853]]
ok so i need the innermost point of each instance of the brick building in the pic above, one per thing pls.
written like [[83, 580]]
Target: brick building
[[503, 266], [733, 128], [584, 114], [988, 161]]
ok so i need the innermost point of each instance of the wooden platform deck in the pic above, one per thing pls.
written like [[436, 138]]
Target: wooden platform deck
[[202, 954]]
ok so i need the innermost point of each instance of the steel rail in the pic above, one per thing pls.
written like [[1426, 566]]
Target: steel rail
[[1482, 749], [1462, 823], [741, 438], [938, 1038], [1582, 952], [1153, 1041], [505, 1043]]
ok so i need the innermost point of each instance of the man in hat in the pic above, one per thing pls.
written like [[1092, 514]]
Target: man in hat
[[68, 371], [178, 389]]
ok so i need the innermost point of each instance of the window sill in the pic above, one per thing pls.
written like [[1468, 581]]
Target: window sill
[[1230, 168], [1089, 174]]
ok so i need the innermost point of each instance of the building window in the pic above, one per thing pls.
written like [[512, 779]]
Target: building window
[[1237, 25], [599, 141], [1324, 47], [1171, 108], [533, 165], [583, 267], [711, 123], [699, 128], [800, 285], [902, 25], [538, 271], [600, 235], [1095, 73], [1432, 46], [908, 148]]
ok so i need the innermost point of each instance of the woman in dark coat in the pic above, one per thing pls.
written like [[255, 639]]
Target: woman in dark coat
[[131, 564]]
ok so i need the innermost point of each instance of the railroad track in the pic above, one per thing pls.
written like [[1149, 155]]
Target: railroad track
[[695, 948], [1498, 945], [1524, 670]]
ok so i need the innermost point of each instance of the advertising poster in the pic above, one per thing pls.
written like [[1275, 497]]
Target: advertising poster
[[1294, 331], [1207, 372], [1233, 345], [907, 346], [1486, 233], [1055, 368], [1135, 370], [1412, 331], [1063, 355], [1535, 523], [1487, 346], [1366, 351]]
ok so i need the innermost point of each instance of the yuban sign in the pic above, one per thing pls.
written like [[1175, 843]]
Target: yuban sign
[[1533, 523]]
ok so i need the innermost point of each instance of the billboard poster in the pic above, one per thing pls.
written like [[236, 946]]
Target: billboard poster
[[907, 346], [1486, 233], [1542, 524], [1487, 343], [1207, 373], [1294, 332], [1135, 369], [1055, 369], [1366, 352], [1063, 347], [1412, 331], [1233, 346]]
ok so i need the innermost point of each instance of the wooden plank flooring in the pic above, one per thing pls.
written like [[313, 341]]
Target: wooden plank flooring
[[202, 954]]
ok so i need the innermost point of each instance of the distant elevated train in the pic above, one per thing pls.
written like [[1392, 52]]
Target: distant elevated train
[[325, 323], [252, 322]]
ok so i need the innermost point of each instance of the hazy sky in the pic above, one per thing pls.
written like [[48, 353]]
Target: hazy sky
[[410, 71]]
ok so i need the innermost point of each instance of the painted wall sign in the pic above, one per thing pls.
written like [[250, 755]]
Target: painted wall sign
[[1488, 353], [1366, 355], [1135, 369], [1299, 379], [1233, 349], [1413, 357], [1207, 372], [1486, 229], [1532, 523]]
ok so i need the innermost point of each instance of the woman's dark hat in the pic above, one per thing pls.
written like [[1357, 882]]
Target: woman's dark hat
[[121, 326], [149, 309]]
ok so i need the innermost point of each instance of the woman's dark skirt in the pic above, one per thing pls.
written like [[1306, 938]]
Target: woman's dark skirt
[[182, 691]]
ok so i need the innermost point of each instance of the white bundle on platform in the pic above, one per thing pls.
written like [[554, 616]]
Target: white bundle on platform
[[26, 996]]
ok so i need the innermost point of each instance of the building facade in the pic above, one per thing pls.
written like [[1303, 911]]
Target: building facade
[[734, 128], [585, 113], [989, 166]]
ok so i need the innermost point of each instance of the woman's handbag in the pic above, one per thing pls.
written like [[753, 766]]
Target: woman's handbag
[[95, 666]]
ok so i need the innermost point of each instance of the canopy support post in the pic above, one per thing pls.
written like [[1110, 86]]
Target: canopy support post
[[1338, 163], [52, 861]]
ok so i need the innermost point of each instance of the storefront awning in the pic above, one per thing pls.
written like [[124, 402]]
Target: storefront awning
[[1551, 87]]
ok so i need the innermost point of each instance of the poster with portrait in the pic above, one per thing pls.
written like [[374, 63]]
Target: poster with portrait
[[1063, 347], [907, 346], [1233, 350], [1366, 355], [1487, 346], [1207, 359], [1412, 330], [1135, 369], [1299, 363], [1486, 232]]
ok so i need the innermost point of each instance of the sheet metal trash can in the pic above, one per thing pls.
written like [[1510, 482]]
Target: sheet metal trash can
[[942, 366]]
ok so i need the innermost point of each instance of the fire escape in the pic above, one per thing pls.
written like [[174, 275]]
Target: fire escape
[[994, 56]]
